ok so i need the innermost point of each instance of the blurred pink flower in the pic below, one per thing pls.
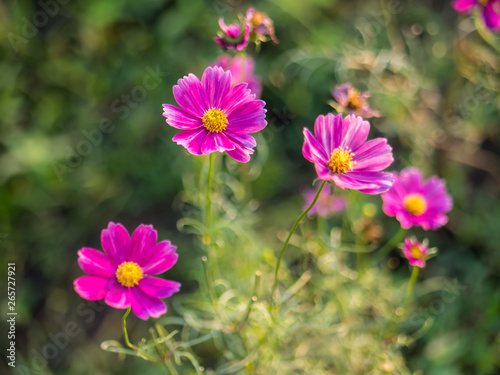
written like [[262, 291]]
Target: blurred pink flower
[[233, 36], [489, 9], [121, 275], [326, 205], [351, 101], [241, 73], [214, 116], [341, 153], [415, 202], [415, 252], [260, 25]]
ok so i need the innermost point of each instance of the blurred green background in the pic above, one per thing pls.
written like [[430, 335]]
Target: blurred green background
[[83, 142]]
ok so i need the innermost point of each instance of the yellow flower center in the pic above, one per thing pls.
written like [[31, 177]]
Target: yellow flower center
[[341, 160], [129, 274], [214, 120], [353, 100], [415, 204], [416, 252]]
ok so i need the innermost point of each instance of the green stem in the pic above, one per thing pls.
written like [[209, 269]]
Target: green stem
[[409, 289], [386, 249], [171, 368], [299, 219], [125, 334]]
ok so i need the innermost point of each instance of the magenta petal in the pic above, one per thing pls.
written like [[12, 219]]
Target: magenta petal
[[216, 83], [116, 243], [161, 258], [159, 288], [92, 287], [241, 139], [247, 118], [356, 133], [374, 155], [216, 142], [241, 153], [118, 296], [95, 263], [190, 96], [464, 6], [322, 132], [238, 95], [145, 306], [312, 149], [143, 240], [192, 140], [491, 18], [367, 182], [179, 118]]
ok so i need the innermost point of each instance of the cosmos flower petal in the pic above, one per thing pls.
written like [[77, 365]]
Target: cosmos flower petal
[[190, 95], [490, 17], [143, 240], [216, 142], [369, 182], [216, 84], [159, 288], [161, 258], [179, 118], [144, 306], [115, 241], [245, 140], [376, 154], [247, 118], [92, 287], [355, 133], [238, 95], [192, 140], [464, 6], [323, 131], [95, 263], [118, 296], [241, 153], [312, 148]]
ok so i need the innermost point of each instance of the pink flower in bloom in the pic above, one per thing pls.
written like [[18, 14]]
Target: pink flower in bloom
[[416, 252], [489, 11], [241, 72], [351, 101], [260, 26], [326, 205], [214, 116], [121, 275], [341, 153], [233, 36], [415, 202]]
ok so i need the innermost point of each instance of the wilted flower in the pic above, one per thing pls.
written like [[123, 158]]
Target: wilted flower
[[326, 205], [417, 252], [260, 25], [214, 116], [242, 71], [122, 274], [341, 153], [233, 36], [415, 202], [489, 10], [351, 101]]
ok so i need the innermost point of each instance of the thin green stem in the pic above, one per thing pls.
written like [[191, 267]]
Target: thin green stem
[[171, 368], [386, 249], [125, 334], [299, 219], [409, 289]]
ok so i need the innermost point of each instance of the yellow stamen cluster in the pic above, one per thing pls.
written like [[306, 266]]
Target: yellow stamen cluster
[[354, 101], [341, 160], [416, 252], [214, 120], [128, 274], [415, 204]]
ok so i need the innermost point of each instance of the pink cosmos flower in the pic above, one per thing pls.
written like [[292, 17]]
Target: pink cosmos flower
[[261, 26], [214, 116], [233, 36], [341, 153], [415, 202], [326, 205], [122, 274], [416, 253], [351, 101], [489, 11], [241, 73]]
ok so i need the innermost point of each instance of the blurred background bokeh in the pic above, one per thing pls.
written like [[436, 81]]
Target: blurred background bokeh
[[83, 142]]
